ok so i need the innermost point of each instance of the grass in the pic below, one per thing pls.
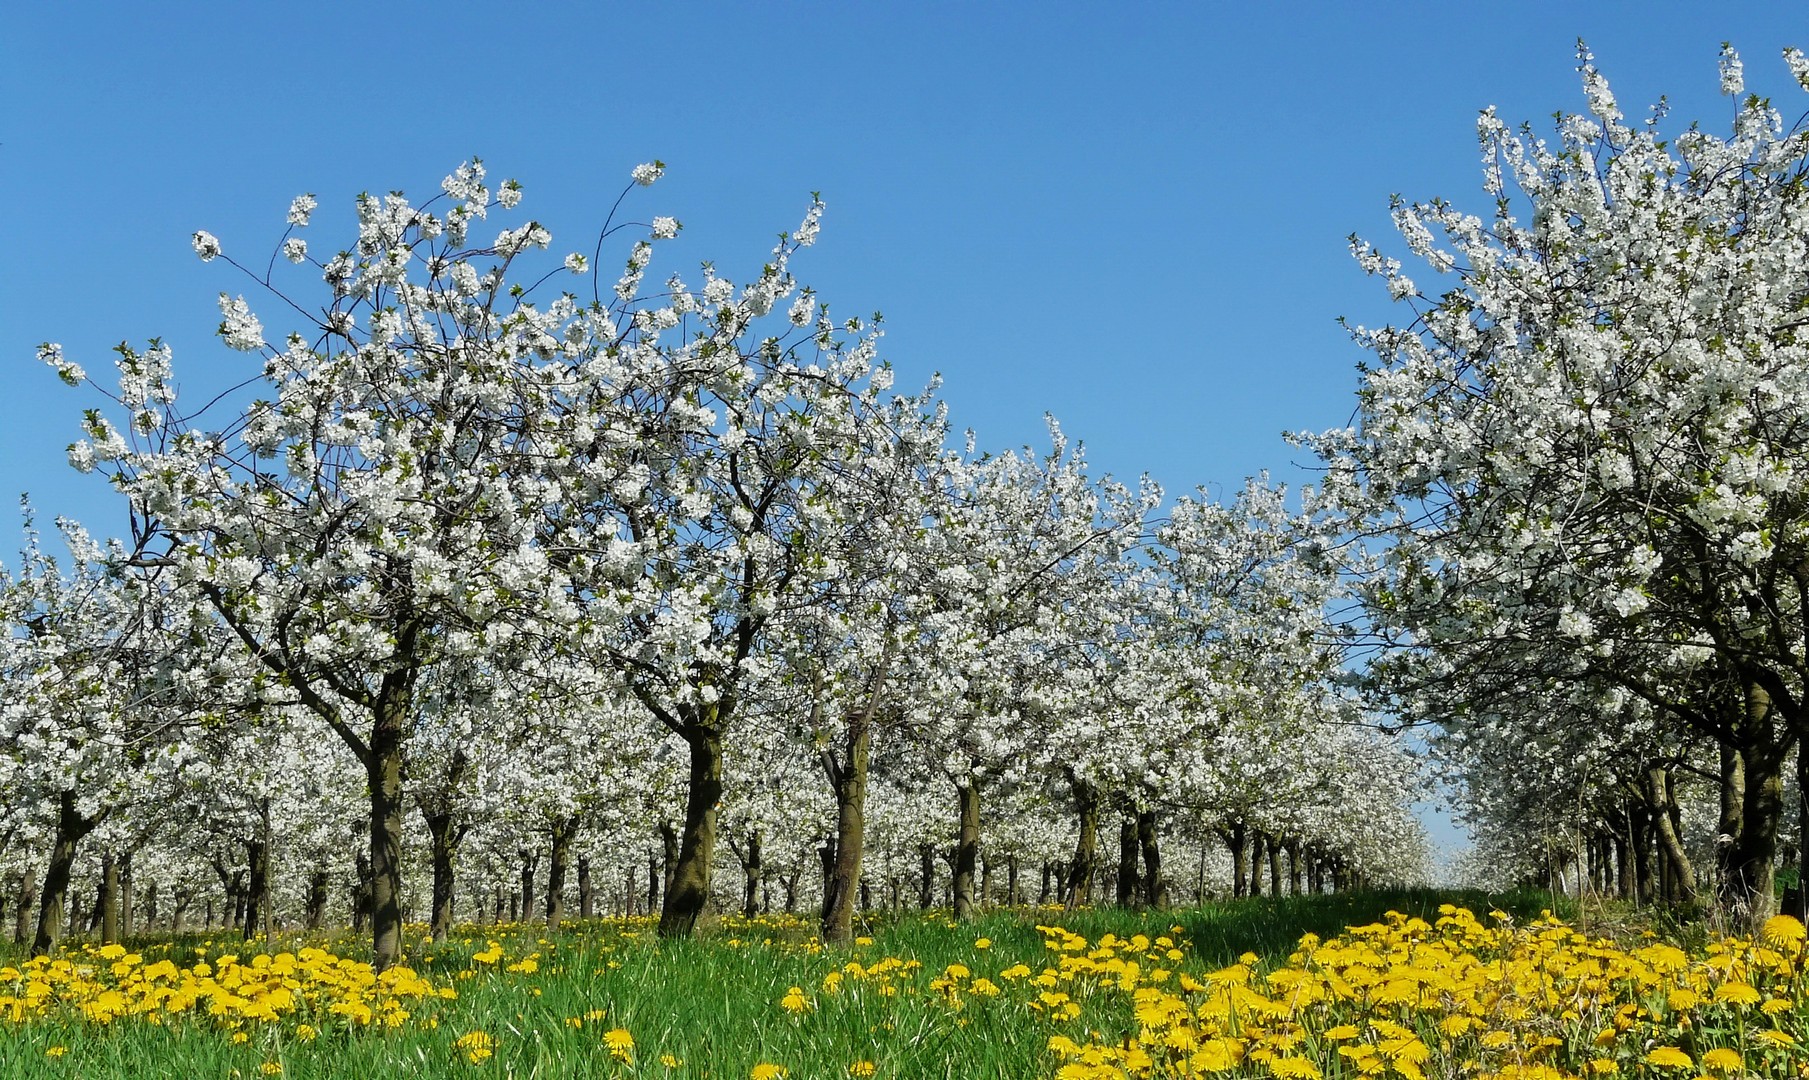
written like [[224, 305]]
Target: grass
[[712, 1007]]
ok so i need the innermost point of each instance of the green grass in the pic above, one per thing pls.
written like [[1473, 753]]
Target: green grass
[[712, 1002]]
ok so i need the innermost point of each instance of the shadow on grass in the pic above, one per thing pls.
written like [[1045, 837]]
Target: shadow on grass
[[1272, 926]]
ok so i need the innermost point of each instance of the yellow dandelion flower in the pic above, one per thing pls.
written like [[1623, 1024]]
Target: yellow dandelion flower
[[671, 1061], [56, 1051], [1781, 930], [1737, 993], [1721, 1059], [1604, 1067], [866, 1068], [271, 1068], [1294, 1068], [794, 1001], [1669, 1057], [768, 1071], [620, 1044]]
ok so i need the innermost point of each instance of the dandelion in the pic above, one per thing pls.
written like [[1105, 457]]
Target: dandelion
[[620, 1044], [1722, 1060], [1669, 1057], [862, 1068], [794, 1001], [768, 1071]]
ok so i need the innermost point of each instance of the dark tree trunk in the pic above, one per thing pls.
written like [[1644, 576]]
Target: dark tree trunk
[[1681, 876], [108, 908], [1155, 891], [1757, 806], [361, 892], [689, 890], [586, 898], [24, 900], [558, 862], [1086, 845], [1259, 852], [1128, 882], [926, 879], [849, 778], [257, 891], [443, 837], [967, 848], [383, 774], [1011, 879], [530, 859], [71, 827], [751, 854], [1236, 843], [316, 911]]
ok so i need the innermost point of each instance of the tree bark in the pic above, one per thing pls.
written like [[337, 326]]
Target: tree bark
[[926, 881], [257, 891], [1235, 842], [25, 899], [383, 774], [967, 848], [443, 838], [1128, 882], [1259, 851], [108, 913], [1155, 891], [530, 860], [850, 780], [1682, 876], [316, 910], [1747, 864], [71, 827], [558, 860], [1086, 845], [586, 897], [689, 889]]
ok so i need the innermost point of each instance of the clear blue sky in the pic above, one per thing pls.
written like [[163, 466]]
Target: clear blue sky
[[1130, 215]]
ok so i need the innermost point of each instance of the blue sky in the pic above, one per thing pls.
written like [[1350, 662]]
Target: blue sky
[[1131, 216]]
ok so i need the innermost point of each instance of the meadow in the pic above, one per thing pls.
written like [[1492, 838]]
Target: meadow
[[1425, 985]]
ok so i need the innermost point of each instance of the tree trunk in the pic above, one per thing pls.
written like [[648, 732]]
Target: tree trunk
[[361, 891], [1274, 866], [1155, 891], [107, 913], [689, 889], [1011, 879], [753, 870], [850, 780], [1235, 842], [1259, 851], [257, 892], [558, 861], [586, 897], [1086, 845], [1747, 863], [1681, 876], [127, 912], [1128, 882], [71, 827], [1293, 849], [316, 910], [926, 881], [967, 848], [24, 900], [443, 838], [383, 774], [525, 902]]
